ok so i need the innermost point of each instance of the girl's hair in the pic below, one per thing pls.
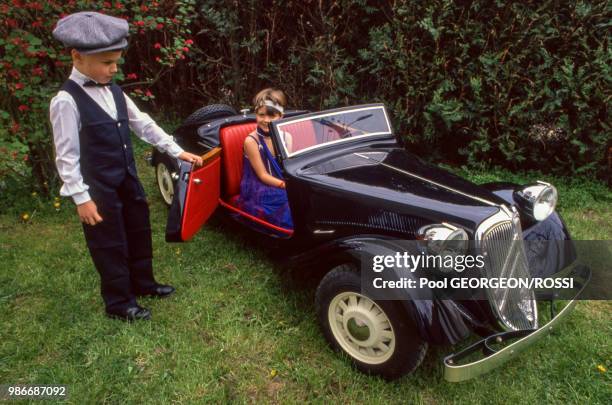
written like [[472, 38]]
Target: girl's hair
[[274, 95]]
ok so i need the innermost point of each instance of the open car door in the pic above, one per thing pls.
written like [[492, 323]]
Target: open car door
[[196, 197]]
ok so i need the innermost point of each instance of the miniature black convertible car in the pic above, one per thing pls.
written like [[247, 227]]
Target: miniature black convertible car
[[355, 192]]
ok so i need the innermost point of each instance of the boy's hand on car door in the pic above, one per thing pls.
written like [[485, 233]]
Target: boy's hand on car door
[[88, 213], [191, 158]]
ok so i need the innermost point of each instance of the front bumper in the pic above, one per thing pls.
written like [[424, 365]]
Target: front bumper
[[455, 372]]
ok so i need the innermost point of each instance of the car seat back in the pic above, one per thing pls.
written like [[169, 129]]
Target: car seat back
[[232, 141]]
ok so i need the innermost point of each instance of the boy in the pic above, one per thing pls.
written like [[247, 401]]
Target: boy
[[91, 119]]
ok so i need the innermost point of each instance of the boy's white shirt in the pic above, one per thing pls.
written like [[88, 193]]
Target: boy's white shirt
[[66, 124]]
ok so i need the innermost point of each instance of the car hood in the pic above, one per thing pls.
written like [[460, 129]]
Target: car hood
[[406, 184]]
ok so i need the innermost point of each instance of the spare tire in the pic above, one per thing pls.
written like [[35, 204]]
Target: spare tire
[[207, 114]]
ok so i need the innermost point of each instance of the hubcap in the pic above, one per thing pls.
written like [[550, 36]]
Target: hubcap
[[361, 328], [164, 182]]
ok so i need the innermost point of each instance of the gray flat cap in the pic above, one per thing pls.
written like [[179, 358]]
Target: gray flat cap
[[91, 32]]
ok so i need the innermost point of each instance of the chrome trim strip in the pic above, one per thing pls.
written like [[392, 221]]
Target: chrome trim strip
[[323, 231], [416, 176]]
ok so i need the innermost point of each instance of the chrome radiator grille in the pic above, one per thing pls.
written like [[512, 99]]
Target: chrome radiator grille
[[502, 244]]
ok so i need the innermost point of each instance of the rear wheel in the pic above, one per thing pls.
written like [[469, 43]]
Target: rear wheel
[[165, 171], [378, 336]]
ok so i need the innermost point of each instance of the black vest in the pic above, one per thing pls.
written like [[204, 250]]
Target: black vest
[[105, 146]]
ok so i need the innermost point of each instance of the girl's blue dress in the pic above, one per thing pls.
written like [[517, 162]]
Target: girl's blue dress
[[261, 200]]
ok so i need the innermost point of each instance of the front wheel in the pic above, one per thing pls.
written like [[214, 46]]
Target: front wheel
[[378, 335]]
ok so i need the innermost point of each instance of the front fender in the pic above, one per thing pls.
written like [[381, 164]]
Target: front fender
[[548, 246], [438, 322], [548, 243]]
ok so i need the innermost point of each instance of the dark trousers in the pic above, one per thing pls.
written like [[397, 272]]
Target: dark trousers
[[120, 246]]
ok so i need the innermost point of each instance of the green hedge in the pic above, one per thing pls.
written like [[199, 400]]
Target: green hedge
[[515, 84]]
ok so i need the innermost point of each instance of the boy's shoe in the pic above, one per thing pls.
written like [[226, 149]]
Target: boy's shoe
[[159, 291], [131, 314]]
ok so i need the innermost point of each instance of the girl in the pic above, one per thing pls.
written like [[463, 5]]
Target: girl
[[262, 189]]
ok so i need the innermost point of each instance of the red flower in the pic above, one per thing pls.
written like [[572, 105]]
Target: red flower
[[140, 23], [107, 4], [157, 45], [36, 24], [159, 26], [155, 4], [23, 108], [189, 41], [11, 22], [132, 76], [174, 20], [18, 86], [41, 54], [118, 5], [4, 8], [185, 49], [148, 93], [37, 71], [17, 3], [157, 59], [15, 127], [182, 56], [34, 5], [59, 63], [144, 8], [14, 73]]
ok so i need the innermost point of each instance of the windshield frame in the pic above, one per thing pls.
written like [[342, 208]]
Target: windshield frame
[[329, 113]]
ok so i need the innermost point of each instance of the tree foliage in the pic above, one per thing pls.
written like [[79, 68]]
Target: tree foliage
[[516, 84]]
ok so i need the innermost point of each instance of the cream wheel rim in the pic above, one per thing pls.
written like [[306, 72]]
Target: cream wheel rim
[[164, 182], [361, 328]]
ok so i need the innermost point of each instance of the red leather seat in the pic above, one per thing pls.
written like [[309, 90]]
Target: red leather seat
[[232, 141], [232, 156]]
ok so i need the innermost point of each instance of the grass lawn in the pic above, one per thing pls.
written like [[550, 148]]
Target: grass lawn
[[235, 330]]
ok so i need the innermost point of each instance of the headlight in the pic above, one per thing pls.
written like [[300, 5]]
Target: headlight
[[444, 240], [537, 200]]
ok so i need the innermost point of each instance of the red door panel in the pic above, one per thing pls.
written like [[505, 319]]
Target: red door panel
[[202, 195]]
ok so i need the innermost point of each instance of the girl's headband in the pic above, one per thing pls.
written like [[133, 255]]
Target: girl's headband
[[272, 104]]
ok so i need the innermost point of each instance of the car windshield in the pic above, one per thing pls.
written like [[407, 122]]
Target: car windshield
[[307, 133]]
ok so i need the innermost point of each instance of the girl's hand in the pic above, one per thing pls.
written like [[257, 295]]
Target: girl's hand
[[191, 158], [281, 184], [88, 213]]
